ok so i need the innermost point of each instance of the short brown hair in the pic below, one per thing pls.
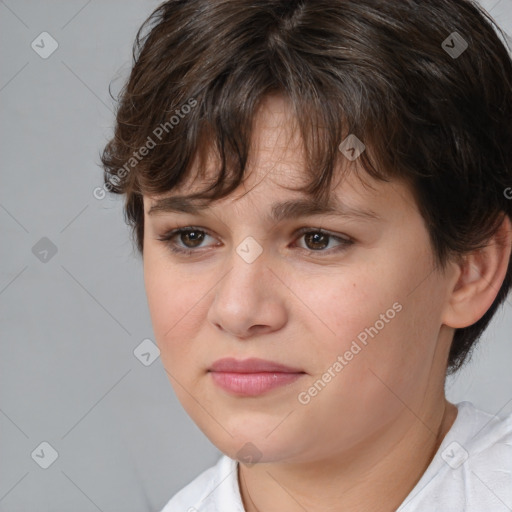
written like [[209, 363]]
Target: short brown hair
[[380, 70]]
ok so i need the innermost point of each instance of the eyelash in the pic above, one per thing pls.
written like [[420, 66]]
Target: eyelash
[[167, 239]]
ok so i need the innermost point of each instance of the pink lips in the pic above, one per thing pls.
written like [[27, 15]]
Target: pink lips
[[251, 377]]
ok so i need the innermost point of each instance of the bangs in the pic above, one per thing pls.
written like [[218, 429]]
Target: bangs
[[221, 131], [227, 90]]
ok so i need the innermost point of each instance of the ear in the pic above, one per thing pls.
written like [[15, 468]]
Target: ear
[[478, 279]]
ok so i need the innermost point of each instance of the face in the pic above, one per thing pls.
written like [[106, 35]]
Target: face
[[356, 308]]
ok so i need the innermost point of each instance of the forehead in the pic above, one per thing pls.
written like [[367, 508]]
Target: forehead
[[349, 200], [276, 151], [276, 169]]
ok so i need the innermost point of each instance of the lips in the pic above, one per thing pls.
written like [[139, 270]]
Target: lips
[[252, 365], [252, 377]]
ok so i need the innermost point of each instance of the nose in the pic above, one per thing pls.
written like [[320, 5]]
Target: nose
[[250, 299]]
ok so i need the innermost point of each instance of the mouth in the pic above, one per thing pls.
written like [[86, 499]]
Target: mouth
[[252, 377]]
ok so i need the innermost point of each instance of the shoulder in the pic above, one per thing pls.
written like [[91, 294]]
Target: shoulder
[[217, 485], [472, 468]]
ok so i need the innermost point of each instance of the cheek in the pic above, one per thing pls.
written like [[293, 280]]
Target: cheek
[[174, 306], [360, 309], [375, 323]]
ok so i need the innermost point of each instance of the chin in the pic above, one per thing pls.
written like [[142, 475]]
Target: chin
[[260, 448]]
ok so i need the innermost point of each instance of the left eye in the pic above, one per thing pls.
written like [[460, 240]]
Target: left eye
[[192, 238], [319, 239]]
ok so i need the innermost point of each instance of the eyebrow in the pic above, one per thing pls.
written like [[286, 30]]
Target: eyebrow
[[278, 212]]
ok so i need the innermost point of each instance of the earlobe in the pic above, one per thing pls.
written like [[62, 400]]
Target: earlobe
[[480, 277]]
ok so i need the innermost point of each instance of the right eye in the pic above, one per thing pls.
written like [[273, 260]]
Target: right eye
[[188, 235]]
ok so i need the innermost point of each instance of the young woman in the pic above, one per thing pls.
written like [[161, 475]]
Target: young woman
[[321, 194]]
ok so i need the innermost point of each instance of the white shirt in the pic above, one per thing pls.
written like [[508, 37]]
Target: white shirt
[[471, 472]]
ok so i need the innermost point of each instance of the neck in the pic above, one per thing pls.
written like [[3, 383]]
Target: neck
[[376, 475]]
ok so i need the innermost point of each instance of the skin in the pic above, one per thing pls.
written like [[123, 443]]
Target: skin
[[364, 441]]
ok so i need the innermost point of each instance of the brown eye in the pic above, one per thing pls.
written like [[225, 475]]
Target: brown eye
[[184, 240], [189, 241], [316, 240], [192, 239]]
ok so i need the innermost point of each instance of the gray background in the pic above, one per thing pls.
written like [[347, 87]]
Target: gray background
[[70, 324]]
